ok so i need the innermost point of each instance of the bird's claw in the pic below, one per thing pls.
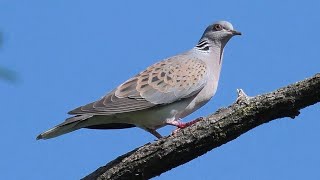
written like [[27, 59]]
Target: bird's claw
[[181, 125]]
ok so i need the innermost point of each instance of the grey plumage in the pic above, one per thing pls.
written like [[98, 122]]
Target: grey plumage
[[160, 95]]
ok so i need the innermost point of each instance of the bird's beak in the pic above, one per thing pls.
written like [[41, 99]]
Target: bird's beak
[[234, 32]]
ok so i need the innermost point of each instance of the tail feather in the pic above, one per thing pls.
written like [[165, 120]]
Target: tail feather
[[71, 124]]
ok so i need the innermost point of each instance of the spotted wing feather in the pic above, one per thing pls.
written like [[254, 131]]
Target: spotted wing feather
[[162, 83]]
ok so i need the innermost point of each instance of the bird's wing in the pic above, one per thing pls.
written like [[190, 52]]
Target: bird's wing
[[165, 82]]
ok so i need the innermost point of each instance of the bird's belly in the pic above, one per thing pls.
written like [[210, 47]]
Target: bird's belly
[[200, 100], [155, 117]]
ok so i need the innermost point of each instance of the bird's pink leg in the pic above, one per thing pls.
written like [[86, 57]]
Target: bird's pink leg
[[181, 125]]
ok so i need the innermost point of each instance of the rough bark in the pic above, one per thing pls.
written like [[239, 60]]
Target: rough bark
[[226, 124]]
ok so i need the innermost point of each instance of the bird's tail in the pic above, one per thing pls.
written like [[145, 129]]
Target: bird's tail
[[71, 124]]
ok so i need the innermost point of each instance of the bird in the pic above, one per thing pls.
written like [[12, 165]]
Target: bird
[[162, 94]]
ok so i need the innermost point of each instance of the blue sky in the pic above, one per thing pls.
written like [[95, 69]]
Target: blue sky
[[69, 53]]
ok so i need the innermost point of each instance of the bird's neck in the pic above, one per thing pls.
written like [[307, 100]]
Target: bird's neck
[[206, 45], [212, 49], [212, 52]]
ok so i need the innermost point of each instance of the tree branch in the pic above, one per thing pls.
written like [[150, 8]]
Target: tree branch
[[226, 124]]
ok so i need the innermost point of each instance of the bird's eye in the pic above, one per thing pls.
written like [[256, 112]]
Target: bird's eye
[[218, 27]]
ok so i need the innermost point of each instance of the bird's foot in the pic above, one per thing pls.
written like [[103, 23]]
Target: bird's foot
[[181, 125]]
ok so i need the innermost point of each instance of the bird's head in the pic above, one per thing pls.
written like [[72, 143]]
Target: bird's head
[[220, 32]]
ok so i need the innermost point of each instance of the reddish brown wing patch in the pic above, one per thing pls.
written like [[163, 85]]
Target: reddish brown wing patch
[[162, 83]]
